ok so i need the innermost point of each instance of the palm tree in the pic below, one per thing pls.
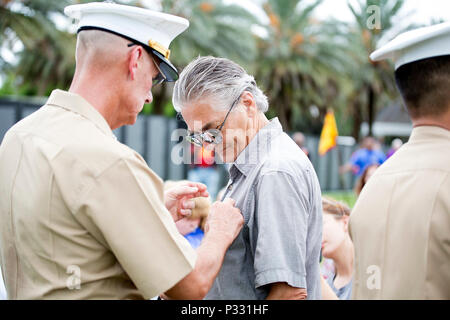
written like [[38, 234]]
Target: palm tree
[[296, 63], [215, 29], [47, 58], [372, 81]]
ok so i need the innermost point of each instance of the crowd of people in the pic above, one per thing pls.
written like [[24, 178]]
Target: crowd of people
[[82, 216]]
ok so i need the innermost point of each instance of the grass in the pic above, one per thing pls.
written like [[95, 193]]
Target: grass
[[347, 197]]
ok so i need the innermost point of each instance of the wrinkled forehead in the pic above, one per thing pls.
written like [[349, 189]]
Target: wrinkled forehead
[[199, 114]]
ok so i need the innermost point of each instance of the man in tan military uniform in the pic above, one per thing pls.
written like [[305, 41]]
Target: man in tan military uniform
[[81, 215], [400, 225]]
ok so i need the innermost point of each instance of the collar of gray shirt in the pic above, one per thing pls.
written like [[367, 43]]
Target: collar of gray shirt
[[256, 150]]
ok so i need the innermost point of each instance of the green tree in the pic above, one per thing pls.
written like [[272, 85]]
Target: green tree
[[296, 64], [215, 29], [47, 59], [372, 82]]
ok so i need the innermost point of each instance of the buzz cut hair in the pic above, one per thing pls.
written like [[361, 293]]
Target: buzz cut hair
[[425, 86]]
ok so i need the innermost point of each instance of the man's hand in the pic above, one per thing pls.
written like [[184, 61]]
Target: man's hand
[[283, 291], [225, 220], [178, 199], [223, 225]]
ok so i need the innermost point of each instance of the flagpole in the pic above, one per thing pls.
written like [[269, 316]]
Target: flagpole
[[342, 184]]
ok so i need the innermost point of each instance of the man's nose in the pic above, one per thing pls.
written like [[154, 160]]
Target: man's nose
[[149, 98]]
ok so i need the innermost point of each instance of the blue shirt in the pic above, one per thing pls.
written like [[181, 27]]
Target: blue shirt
[[195, 237], [363, 158], [344, 293]]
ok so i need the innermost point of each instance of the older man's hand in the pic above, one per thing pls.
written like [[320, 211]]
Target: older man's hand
[[178, 199], [225, 220]]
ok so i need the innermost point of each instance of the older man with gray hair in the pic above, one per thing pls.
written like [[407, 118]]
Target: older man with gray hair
[[276, 254]]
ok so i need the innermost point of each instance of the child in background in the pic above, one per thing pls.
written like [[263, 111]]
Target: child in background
[[337, 248]]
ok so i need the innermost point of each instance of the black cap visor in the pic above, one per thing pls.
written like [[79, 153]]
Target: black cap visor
[[167, 68]]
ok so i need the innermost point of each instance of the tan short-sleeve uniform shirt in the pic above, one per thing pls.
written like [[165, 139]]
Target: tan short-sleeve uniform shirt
[[400, 225], [81, 215]]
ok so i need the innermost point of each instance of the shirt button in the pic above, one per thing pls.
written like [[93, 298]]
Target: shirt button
[[230, 187]]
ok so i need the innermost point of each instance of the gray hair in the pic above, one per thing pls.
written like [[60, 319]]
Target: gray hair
[[218, 79]]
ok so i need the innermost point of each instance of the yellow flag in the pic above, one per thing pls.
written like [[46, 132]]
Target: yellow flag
[[329, 133]]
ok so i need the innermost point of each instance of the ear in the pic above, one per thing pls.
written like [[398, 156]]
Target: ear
[[134, 59], [345, 221], [249, 102]]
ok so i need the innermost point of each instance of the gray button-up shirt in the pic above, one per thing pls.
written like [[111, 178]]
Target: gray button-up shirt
[[277, 190]]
